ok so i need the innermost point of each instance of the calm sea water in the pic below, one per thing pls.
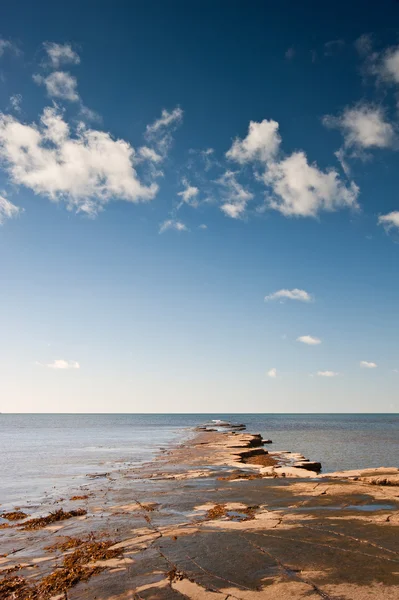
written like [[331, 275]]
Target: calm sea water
[[49, 454]]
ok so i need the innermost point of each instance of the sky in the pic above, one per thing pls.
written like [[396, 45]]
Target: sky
[[199, 206]]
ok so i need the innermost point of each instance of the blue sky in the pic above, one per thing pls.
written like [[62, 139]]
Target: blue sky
[[199, 207]]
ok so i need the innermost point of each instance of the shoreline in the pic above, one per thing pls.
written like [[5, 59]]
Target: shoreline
[[134, 534]]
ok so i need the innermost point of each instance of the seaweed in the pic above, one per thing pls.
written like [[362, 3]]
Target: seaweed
[[79, 497], [74, 568], [14, 587], [91, 551], [11, 570], [16, 515], [67, 545], [219, 510], [175, 575], [53, 517]]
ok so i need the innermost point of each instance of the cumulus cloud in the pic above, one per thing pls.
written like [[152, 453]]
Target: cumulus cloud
[[59, 84], [308, 339], [202, 226], [272, 373], [8, 210], [382, 65], [61, 364], [172, 224], [364, 126], [327, 373], [189, 194], [61, 54], [262, 143], [294, 294], [236, 196], [294, 187], [389, 220], [367, 365], [86, 168], [301, 189]]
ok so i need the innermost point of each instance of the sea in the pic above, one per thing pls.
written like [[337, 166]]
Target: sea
[[48, 455]]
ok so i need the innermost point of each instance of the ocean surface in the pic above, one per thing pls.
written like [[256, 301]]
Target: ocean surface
[[46, 455]]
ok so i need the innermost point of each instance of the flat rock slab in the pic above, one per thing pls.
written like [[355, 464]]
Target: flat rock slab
[[183, 528]]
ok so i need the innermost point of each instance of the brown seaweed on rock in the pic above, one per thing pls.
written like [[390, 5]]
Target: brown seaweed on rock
[[16, 515], [53, 517], [75, 567]]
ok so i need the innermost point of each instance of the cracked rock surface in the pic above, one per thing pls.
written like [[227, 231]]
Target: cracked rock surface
[[201, 523]]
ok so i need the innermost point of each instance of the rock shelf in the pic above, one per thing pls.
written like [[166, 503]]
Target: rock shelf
[[204, 521]]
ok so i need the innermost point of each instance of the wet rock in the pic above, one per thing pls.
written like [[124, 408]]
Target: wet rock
[[293, 472], [308, 465]]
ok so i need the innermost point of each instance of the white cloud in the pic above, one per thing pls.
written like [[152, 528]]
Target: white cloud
[[86, 169], [382, 65], [340, 154], [189, 194], [166, 119], [207, 156], [61, 364], [294, 294], [89, 114], [150, 154], [203, 226], [327, 374], [61, 54], [237, 197], [172, 224], [390, 65], [300, 189], [8, 210], [308, 339], [59, 84], [294, 187], [389, 220], [15, 102], [364, 126], [159, 133], [367, 365], [262, 143], [272, 373]]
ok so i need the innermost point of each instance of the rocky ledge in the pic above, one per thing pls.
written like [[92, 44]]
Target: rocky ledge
[[209, 521]]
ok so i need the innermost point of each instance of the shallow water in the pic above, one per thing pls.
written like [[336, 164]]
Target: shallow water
[[47, 454]]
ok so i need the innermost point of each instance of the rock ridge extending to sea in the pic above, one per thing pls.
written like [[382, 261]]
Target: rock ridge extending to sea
[[219, 516]]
